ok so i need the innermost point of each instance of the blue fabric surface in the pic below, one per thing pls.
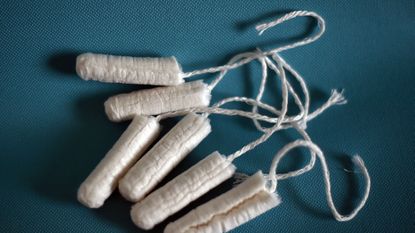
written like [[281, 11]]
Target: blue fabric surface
[[53, 129]]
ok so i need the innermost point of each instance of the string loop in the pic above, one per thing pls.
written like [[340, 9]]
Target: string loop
[[235, 63], [274, 177], [271, 60]]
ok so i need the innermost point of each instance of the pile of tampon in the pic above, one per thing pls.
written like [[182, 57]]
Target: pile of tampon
[[136, 169]]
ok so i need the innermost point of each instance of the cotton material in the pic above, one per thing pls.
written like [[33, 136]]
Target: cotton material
[[183, 189], [163, 71], [164, 156], [229, 210], [157, 100], [99, 185]]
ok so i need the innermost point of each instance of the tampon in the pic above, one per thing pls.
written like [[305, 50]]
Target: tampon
[[164, 156], [157, 100], [229, 210], [182, 190], [133, 70], [99, 185]]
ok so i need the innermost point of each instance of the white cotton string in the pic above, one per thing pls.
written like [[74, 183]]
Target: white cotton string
[[219, 68], [264, 65], [244, 58], [231, 61], [216, 109], [219, 111], [261, 92], [274, 177], [336, 98], [265, 62], [297, 100], [303, 86], [247, 101], [261, 29], [321, 24], [276, 127], [240, 177], [307, 167]]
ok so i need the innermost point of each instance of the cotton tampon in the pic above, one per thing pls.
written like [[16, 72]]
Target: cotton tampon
[[157, 100], [229, 159], [133, 70], [182, 190], [225, 221], [99, 185], [229, 210], [164, 156]]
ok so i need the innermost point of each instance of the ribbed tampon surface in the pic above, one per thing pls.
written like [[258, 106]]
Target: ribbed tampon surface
[[164, 71], [164, 156], [157, 100], [229, 210], [183, 189], [99, 185]]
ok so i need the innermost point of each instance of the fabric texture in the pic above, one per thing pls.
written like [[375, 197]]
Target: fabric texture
[[229, 210], [157, 100], [164, 156], [181, 190], [129, 70], [132, 144], [54, 131]]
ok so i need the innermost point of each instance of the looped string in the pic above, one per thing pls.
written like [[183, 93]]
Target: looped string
[[274, 176], [276, 127], [262, 28], [273, 61], [233, 60], [280, 122], [244, 58], [303, 107], [308, 166], [217, 109], [320, 21]]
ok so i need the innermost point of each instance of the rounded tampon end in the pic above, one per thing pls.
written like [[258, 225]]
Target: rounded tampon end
[[111, 111], [115, 111], [89, 198], [137, 219], [82, 61], [125, 188], [103, 180]]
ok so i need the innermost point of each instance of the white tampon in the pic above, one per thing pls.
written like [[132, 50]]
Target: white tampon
[[157, 100], [99, 185], [229, 210], [182, 190], [164, 156], [163, 71]]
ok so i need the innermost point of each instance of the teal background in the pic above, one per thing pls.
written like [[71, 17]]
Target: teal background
[[53, 129]]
